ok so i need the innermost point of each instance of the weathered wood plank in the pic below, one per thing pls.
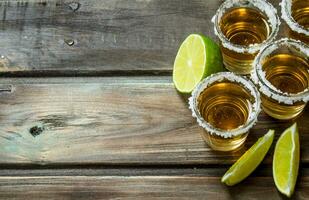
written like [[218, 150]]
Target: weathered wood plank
[[136, 120], [141, 187], [136, 36]]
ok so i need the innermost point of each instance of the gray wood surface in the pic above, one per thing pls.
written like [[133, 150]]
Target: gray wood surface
[[135, 120], [114, 37], [121, 134]]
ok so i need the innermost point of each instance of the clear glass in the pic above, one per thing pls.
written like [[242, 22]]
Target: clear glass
[[296, 14], [226, 106], [243, 28], [282, 74]]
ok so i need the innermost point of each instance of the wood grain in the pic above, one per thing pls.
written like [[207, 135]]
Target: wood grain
[[112, 137], [141, 187], [115, 37], [127, 121]]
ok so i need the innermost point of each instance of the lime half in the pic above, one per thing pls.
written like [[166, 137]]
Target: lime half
[[247, 163], [197, 58], [286, 161]]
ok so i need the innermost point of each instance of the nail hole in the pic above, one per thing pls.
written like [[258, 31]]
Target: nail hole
[[69, 42], [43, 3], [36, 130], [74, 6]]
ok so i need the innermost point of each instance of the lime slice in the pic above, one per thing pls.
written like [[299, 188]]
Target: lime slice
[[197, 58], [286, 160], [247, 163]]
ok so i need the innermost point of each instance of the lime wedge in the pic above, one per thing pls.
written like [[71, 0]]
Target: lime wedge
[[247, 163], [197, 58], [286, 160]]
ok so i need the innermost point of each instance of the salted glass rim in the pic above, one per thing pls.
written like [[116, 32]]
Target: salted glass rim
[[261, 5], [219, 77], [286, 15], [265, 87]]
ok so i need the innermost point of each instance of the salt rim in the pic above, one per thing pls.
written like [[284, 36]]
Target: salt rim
[[286, 7], [265, 87], [262, 5], [218, 77]]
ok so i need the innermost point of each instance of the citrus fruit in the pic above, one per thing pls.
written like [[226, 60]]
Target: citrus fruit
[[247, 163], [197, 58], [286, 161]]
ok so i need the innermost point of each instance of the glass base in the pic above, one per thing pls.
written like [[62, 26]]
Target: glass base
[[299, 36], [219, 143], [281, 111], [239, 63]]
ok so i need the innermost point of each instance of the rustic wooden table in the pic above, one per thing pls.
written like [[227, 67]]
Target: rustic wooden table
[[88, 108]]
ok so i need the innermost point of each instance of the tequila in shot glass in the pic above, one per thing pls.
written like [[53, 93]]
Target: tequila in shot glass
[[243, 28], [226, 106], [282, 75], [296, 14]]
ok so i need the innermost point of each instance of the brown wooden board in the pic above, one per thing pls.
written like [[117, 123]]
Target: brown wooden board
[[136, 120], [124, 135], [141, 187], [88, 37]]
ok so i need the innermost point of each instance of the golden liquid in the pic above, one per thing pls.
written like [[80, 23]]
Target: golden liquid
[[289, 74], [225, 106], [300, 13], [242, 26]]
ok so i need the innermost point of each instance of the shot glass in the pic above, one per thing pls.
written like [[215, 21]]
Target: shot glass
[[243, 28], [296, 14], [282, 75], [226, 106]]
